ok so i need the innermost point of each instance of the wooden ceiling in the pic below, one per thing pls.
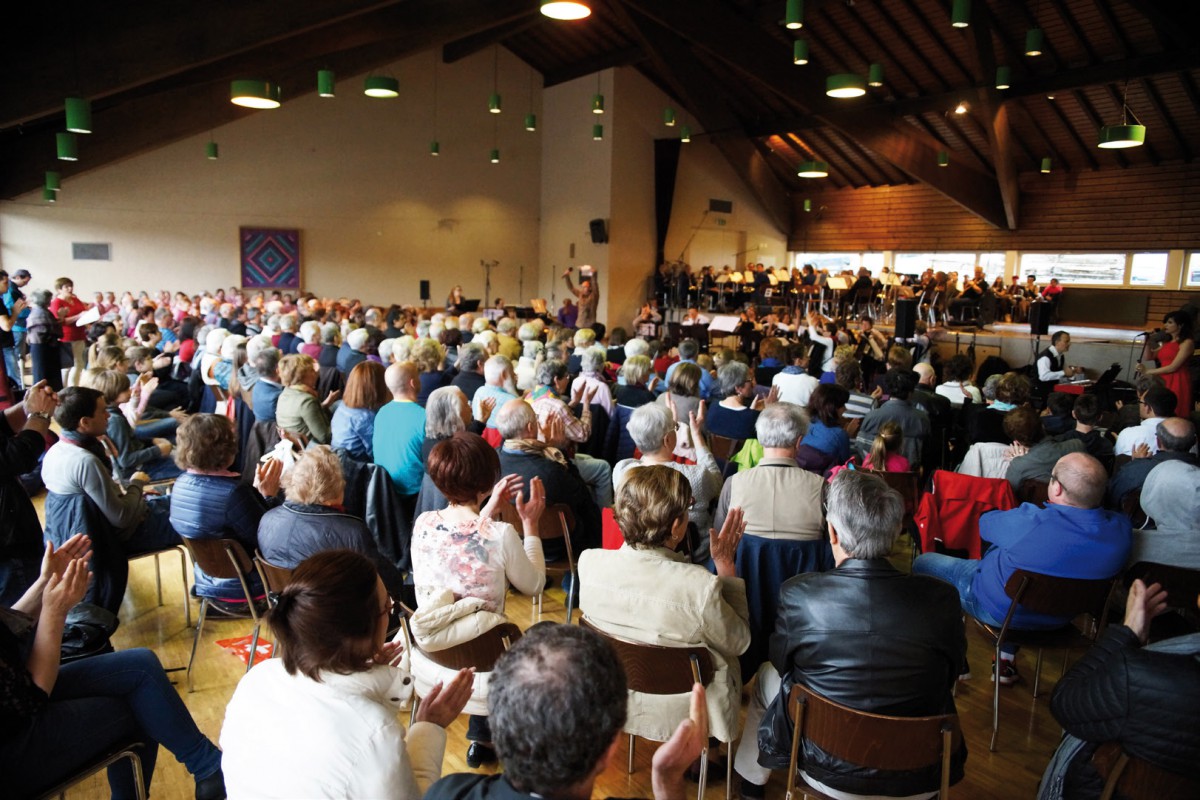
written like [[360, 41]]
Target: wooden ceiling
[[155, 72]]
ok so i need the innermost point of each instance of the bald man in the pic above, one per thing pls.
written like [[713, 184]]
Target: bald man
[[1176, 438], [400, 430], [1072, 537]]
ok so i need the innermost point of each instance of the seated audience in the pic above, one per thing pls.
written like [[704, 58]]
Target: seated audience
[[828, 432], [684, 388], [794, 382], [655, 432], [864, 635], [848, 375], [986, 424], [1156, 405], [736, 413], [559, 745], [1034, 454], [470, 369], [353, 426], [689, 349], [956, 385], [1140, 697], [400, 429], [498, 386], [913, 423], [1175, 437], [336, 680], [267, 388], [1170, 497], [1072, 537], [446, 413], [352, 352], [884, 455], [209, 502], [591, 377], [648, 592], [60, 718], [1056, 417], [129, 454], [558, 426], [298, 410], [635, 389], [429, 355], [465, 548], [1085, 413]]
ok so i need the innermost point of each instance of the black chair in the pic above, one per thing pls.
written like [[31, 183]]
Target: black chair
[[126, 751]]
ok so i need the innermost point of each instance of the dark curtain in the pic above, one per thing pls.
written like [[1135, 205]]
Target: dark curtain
[[666, 165]]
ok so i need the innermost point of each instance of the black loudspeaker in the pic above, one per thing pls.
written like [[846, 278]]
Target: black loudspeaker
[[599, 231], [1039, 318], [720, 206], [424, 290], [906, 318]]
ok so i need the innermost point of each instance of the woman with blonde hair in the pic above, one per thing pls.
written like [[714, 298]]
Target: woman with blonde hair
[[353, 425], [885, 453], [429, 355], [298, 410]]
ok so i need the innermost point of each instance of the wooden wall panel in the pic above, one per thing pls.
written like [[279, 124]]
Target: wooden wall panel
[[1137, 208]]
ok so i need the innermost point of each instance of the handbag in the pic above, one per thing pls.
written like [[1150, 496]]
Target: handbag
[[87, 632]]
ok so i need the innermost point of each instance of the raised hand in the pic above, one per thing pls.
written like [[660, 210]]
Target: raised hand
[[1144, 604], [502, 494], [1141, 450], [40, 399], [553, 431], [723, 545], [55, 561], [63, 592], [531, 510], [672, 759], [267, 475], [445, 702], [486, 406], [673, 409]]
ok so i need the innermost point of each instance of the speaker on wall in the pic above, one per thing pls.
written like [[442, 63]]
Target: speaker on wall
[[1039, 318], [424, 290], [599, 231], [720, 206], [906, 318]]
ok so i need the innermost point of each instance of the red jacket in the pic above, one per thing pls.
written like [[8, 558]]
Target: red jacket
[[950, 512]]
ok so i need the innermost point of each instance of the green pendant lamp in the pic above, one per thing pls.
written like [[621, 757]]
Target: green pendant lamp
[[381, 86], [960, 13], [845, 84], [800, 51], [1035, 40], [50, 196], [597, 133], [565, 9], [211, 151], [943, 158], [875, 76], [79, 115], [435, 149], [685, 133], [813, 169], [255, 94], [597, 103], [67, 146], [793, 15], [1003, 77], [1046, 163], [669, 117], [531, 122], [53, 180], [325, 83], [808, 205], [494, 103], [494, 156], [1116, 137]]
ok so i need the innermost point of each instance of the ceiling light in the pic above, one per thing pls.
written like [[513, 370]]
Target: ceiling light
[[381, 86], [494, 103], [800, 51], [669, 117], [597, 133], [875, 75], [255, 94], [793, 16], [961, 108], [50, 196], [685, 133], [79, 115], [494, 156], [960, 13], [808, 205], [1114, 137], [597, 103], [435, 148], [325, 83], [1035, 39], [67, 146], [943, 158], [53, 181], [1046, 165], [813, 169], [565, 9], [845, 84], [1003, 77], [531, 122], [211, 151]]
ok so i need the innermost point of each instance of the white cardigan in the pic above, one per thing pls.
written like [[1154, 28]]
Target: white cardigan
[[288, 736]]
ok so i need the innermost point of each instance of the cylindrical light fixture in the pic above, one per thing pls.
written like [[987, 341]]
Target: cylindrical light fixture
[[325, 83], [808, 205], [211, 151], [597, 103], [531, 122], [255, 94], [685, 133], [494, 102], [53, 180], [50, 196], [435, 148], [960, 13], [597, 133], [494, 156], [1035, 40], [800, 51], [1115, 137], [943, 158], [67, 146], [381, 86], [669, 117], [813, 169], [875, 75], [793, 15], [1046, 165], [79, 115], [1003, 77], [845, 84], [565, 9]]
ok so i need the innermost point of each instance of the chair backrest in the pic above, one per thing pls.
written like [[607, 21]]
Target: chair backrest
[[220, 558], [274, 577], [1136, 779], [1059, 597], [1034, 491], [557, 522], [906, 484], [1182, 584], [872, 741], [654, 669], [723, 447], [481, 652], [1131, 506]]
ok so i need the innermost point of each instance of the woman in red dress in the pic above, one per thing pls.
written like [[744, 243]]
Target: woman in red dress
[[1172, 357]]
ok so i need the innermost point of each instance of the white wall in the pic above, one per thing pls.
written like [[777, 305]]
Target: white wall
[[376, 212]]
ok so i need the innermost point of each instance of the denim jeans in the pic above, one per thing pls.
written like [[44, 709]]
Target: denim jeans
[[97, 704], [162, 469], [161, 428], [960, 573], [12, 362], [155, 531]]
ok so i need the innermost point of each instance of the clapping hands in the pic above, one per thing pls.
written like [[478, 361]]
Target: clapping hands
[[723, 545]]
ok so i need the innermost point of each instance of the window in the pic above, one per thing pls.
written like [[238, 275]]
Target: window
[[1193, 269], [873, 262], [1075, 268], [834, 262], [1149, 269], [916, 263]]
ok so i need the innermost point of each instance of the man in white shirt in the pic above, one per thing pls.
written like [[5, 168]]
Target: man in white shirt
[[1156, 405], [1051, 364], [795, 385]]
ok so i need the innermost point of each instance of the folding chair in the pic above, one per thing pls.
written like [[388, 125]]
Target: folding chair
[[222, 558], [129, 751], [1134, 778]]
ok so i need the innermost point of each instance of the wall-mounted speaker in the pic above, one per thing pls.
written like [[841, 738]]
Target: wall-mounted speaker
[[720, 206], [424, 290], [599, 231]]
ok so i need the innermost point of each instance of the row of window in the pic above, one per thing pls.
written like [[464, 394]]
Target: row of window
[[1106, 269]]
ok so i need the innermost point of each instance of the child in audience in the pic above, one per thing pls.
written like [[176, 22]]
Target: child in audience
[[885, 450]]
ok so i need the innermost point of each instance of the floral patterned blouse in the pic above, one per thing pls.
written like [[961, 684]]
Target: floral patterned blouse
[[477, 557]]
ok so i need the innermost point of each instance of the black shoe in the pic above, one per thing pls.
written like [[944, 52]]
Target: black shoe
[[212, 787], [480, 754], [752, 791], [716, 770]]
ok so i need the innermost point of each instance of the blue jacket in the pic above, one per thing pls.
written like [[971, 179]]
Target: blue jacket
[[352, 430], [265, 395], [211, 507]]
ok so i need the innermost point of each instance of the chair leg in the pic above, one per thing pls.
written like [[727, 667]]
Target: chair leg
[[183, 573], [703, 772], [571, 598], [632, 746], [995, 699], [158, 578], [196, 640], [1037, 673], [729, 771], [253, 648]]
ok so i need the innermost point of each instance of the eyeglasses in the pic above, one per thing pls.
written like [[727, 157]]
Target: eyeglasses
[[1054, 478]]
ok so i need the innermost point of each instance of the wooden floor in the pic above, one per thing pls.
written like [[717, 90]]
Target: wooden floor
[[1028, 734]]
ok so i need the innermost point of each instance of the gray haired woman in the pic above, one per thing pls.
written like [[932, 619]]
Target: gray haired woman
[[447, 412]]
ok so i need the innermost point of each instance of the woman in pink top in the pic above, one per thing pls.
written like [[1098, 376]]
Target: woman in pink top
[[885, 450]]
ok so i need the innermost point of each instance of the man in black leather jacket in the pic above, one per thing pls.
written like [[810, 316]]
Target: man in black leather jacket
[[864, 635]]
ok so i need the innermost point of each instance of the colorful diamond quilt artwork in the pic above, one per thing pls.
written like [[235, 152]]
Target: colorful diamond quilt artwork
[[270, 258]]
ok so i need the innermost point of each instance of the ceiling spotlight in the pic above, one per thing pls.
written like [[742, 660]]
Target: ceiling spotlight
[[800, 51], [961, 108], [565, 9], [875, 76], [1115, 137], [1003, 77], [960, 13], [1035, 40]]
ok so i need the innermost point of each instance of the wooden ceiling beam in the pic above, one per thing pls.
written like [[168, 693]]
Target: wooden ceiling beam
[[891, 61], [783, 170], [936, 37], [1073, 25], [992, 115], [588, 66], [1171, 20], [896, 33], [1115, 31], [755, 54], [828, 143], [1088, 156], [693, 85], [472, 44]]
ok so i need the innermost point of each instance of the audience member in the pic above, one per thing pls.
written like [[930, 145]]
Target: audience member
[[400, 430], [914, 424], [268, 387], [637, 382], [1156, 405], [735, 415], [1170, 497], [498, 387], [1034, 454], [884, 455], [470, 369], [23, 436], [353, 426], [1175, 438], [795, 384], [298, 410], [558, 426], [956, 386], [1086, 414], [688, 350]]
